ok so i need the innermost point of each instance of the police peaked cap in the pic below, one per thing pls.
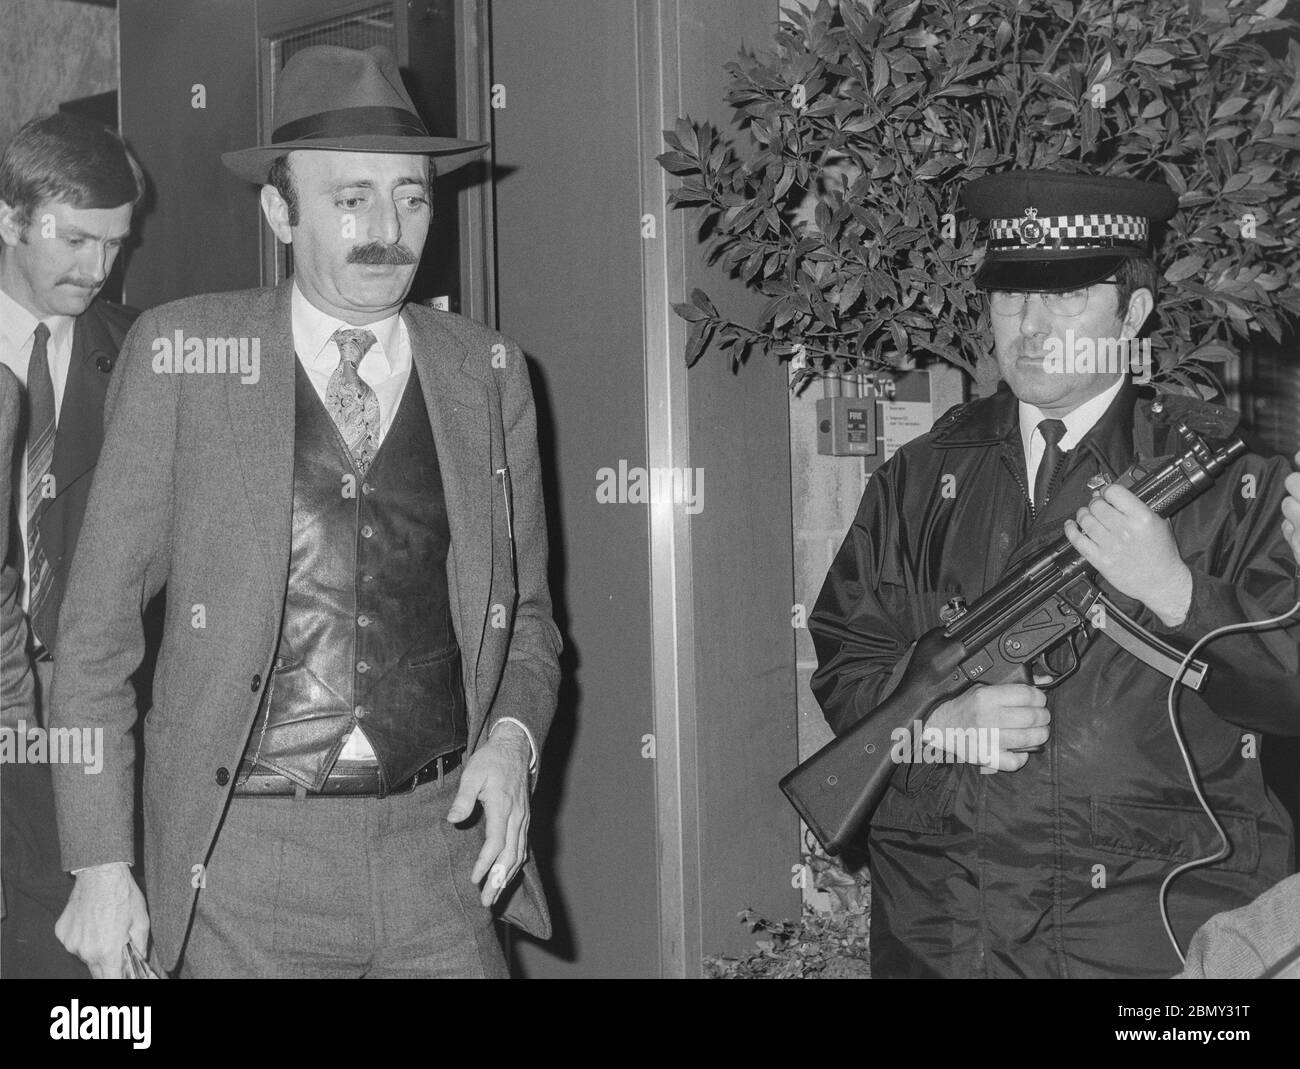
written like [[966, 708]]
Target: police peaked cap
[[1051, 232]]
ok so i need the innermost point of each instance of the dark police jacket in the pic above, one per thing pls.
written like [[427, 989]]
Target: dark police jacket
[[1055, 869]]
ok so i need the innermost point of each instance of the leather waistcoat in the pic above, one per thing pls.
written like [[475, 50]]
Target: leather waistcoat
[[367, 637]]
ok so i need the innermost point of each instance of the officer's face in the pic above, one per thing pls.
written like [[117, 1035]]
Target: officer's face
[[362, 221], [58, 261], [1039, 348]]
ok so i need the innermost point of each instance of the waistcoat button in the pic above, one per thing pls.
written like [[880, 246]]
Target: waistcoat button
[[367, 531], [363, 666], [223, 776], [257, 682], [363, 620]]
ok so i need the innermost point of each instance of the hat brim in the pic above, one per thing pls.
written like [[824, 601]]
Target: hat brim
[[445, 153], [1028, 275]]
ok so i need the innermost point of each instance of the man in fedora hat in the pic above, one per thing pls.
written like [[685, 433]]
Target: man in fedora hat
[[1052, 863], [359, 663]]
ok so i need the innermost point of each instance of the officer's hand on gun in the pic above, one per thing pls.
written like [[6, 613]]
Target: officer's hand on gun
[[1135, 551]]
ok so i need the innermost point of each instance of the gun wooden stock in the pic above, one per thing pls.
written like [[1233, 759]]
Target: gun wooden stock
[[836, 790]]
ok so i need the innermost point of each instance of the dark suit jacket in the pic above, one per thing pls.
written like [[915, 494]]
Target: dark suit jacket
[[96, 339], [16, 695], [15, 672], [195, 489]]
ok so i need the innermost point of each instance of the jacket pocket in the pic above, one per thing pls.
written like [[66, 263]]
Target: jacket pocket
[[1173, 833], [919, 799], [421, 660]]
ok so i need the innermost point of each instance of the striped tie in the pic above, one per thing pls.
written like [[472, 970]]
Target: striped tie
[[350, 401], [40, 482]]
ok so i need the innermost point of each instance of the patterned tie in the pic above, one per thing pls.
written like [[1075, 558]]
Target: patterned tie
[[40, 488], [351, 403], [1052, 431]]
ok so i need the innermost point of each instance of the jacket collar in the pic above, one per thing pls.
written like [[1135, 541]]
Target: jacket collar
[[995, 420]]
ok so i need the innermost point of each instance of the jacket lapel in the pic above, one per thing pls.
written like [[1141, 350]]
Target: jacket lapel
[[81, 416], [459, 413], [80, 433], [262, 424]]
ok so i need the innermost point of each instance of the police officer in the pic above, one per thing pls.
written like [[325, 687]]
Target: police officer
[[1050, 864]]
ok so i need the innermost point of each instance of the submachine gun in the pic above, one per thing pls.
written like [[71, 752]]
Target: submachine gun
[[1018, 631]]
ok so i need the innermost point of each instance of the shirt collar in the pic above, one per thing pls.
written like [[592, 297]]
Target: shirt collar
[[1077, 423], [314, 329], [17, 324]]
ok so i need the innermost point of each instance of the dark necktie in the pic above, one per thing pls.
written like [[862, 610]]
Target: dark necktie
[[40, 481], [349, 399], [1052, 431]]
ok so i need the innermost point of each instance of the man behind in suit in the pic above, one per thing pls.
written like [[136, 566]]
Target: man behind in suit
[[343, 496], [17, 694], [68, 188]]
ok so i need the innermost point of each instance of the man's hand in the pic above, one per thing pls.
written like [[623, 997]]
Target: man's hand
[[106, 908], [1135, 551], [497, 776], [1291, 512], [1014, 715]]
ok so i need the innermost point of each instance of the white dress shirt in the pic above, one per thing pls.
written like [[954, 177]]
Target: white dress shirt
[[17, 333], [1077, 424], [385, 368]]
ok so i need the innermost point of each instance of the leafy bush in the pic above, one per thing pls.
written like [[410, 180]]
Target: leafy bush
[[829, 945], [870, 116]]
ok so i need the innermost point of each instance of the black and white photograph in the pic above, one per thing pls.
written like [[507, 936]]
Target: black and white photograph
[[651, 489]]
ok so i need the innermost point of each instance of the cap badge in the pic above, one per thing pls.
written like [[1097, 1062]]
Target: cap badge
[[1031, 230]]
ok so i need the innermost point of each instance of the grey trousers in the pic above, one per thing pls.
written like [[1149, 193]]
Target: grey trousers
[[343, 887]]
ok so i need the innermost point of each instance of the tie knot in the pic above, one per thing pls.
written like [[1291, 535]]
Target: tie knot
[[1052, 430], [353, 343], [41, 334]]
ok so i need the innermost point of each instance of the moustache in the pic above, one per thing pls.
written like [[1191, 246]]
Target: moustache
[[377, 253]]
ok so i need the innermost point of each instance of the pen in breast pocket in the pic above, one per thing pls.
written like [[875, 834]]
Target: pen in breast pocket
[[505, 496]]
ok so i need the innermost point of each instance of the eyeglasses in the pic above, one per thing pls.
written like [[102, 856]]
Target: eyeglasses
[[1069, 305]]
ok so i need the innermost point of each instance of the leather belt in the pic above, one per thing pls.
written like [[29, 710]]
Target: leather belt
[[346, 778]]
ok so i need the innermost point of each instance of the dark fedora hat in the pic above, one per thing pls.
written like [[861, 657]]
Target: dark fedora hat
[[1055, 231], [347, 100]]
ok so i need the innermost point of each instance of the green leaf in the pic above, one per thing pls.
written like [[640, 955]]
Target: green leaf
[[1184, 268], [676, 163], [689, 312], [1229, 107], [701, 301], [1153, 56]]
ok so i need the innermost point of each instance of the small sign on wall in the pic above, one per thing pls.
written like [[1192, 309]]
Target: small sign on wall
[[901, 421]]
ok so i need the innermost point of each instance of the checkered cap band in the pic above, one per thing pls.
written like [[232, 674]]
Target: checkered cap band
[[1068, 232]]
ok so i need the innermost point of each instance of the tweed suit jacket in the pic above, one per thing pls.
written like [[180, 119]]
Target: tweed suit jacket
[[194, 490]]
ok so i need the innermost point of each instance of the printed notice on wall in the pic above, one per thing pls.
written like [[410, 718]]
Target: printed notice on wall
[[901, 421]]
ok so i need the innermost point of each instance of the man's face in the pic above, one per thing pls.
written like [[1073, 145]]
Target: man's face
[[58, 262], [362, 221], [1023, 341]]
